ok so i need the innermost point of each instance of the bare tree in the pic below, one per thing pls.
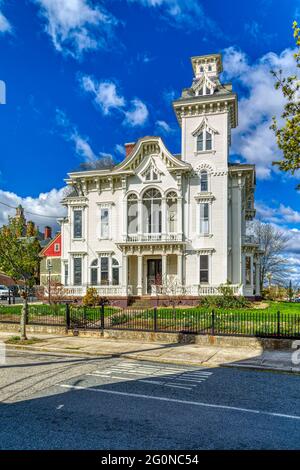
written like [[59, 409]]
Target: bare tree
[[102, 163], [273, 243]]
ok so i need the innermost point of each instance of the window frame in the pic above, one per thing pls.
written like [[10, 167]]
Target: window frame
[[102, 236], [205, 269], [204, 219], [75, 259], [204, 172], [78, 236], [107, 283]]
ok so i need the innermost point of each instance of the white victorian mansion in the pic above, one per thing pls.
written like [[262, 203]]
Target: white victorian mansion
[[159, 224]]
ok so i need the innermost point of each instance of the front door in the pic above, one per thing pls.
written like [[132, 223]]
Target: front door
[[153, 273]]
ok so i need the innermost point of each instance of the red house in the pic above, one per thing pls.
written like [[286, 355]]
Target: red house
[[51, 261]]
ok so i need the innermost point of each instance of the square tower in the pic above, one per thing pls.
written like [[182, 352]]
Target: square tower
[[206, 112]]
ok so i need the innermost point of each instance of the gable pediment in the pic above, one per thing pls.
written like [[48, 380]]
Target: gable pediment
[[204, 124], [153, 147]]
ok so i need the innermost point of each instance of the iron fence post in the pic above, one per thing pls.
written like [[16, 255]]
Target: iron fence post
[[278, 323], [213, 323], [68, 319], [155, 318], [102, 317]]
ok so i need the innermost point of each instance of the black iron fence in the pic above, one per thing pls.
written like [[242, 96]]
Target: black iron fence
[[172, 320]]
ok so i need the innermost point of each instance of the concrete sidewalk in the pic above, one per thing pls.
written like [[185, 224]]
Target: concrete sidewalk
[[185, 354]]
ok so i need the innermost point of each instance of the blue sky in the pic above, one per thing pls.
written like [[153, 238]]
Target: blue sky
[[85, 76]]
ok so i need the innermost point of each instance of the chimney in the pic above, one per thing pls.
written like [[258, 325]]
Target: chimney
[[128, 147], [47, 232]]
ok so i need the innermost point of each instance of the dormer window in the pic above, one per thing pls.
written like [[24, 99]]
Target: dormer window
[[204, 137], [151, 174], [204, 141]]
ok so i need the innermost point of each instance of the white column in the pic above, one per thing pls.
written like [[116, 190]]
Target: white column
[[125, 273], [257, 278], [179, 216], [124, 208], [140, 275], [140, 217], [179, 269], [164, 268], [164, 229], [251, 273]]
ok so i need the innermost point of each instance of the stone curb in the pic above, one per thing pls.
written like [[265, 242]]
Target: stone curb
[[138, 357], [288, 370]]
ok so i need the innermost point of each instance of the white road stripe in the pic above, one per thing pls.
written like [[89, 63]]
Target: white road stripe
[[200, 374], [183, 402], [177, 386], [189, 380]]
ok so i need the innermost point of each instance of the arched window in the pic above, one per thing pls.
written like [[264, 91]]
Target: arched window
[[132, 214], [94, 272], [203, 181], [172, 211], [115, 272], [152, 211]]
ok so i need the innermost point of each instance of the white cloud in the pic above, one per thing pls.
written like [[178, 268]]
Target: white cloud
[[5, 26], [43, 210], [104, 93], [287, 220], [71, 134], [107, 98], [76, 26], [137, 115], [182, 14], [120, 149], [82, 147], [281, 214], [257, 32], [253, 138], [163, 126]]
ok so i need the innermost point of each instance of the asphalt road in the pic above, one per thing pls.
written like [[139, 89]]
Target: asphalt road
[[69, 402]]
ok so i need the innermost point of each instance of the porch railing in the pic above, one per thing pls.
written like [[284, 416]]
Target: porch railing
[[80, 291], [194, 290], [153, 237]]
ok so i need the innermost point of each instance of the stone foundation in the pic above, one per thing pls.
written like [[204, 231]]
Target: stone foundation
[[258, 344]]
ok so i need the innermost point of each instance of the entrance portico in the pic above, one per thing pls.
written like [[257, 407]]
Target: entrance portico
[[145, 266]]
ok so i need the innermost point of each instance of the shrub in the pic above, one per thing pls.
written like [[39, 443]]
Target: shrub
[[91, 298], [226, 300]]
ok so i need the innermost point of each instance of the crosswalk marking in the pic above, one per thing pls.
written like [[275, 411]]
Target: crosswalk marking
[[166, 376]]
